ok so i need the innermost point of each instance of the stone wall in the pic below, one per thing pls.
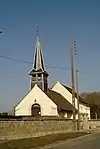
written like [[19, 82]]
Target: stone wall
[[12, 128], [94, 124]]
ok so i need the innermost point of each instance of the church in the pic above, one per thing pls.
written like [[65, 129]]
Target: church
[[44, 101]]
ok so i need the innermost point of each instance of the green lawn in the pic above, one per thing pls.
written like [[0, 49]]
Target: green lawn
[[31, 143]]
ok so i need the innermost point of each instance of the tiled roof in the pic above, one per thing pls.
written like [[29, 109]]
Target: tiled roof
[[60, 101], [70, 90]]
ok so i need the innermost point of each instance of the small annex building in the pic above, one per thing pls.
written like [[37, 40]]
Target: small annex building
[[66, 92]]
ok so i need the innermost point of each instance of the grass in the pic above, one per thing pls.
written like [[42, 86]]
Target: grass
[[31, 143]]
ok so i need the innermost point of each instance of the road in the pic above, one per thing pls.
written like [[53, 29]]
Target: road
[[85, 142]]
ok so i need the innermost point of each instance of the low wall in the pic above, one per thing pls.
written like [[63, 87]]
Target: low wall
[[11, 128], [93, 124]]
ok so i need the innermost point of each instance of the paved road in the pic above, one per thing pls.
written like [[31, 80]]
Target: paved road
[[85, 142]]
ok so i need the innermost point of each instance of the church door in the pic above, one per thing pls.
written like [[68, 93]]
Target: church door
[[35, 110]]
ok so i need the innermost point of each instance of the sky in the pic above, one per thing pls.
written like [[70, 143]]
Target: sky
[[59, 22]]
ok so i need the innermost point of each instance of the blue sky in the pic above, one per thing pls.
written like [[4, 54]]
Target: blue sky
[[59, 22]]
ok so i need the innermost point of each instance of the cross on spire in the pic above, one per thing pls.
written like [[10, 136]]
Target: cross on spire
[[37, 31]]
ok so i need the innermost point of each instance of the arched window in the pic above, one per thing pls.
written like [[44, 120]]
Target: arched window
[[36, 110]]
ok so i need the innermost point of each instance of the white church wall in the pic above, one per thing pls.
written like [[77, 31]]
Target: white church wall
[[68, 96], [36, 95], [64, 92]]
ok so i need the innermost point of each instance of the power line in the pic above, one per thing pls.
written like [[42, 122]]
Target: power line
[[29, 62], [47, 66], [14, 59]]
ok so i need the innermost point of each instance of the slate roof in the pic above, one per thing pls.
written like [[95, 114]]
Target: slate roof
[[60, 101], [38, 56], [33, 71], [70, 90]]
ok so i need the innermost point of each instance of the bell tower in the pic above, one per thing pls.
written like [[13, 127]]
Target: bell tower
[[38, 74]]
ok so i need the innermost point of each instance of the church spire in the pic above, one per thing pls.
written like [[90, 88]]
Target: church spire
[[38, 57], [38, 75]]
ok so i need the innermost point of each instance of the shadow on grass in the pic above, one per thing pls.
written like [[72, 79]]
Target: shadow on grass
[[29, 143]]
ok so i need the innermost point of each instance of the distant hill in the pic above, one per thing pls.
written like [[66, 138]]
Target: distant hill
[[91, 98]]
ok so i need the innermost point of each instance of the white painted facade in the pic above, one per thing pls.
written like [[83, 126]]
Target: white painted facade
[[36, 95], [58, 87], [47, 106]]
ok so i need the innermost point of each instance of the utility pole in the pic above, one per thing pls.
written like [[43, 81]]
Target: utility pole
[[76, 70], [73, 87], [78, 124]]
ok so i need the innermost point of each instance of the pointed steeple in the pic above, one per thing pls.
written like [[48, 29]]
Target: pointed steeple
[[38, 75], [38, 57]]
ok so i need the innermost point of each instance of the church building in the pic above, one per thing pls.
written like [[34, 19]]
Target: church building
[[43, 101]]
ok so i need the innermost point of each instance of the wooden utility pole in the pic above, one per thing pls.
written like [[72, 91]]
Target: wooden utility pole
[[76, 70], [73, 87], [78, 126]]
